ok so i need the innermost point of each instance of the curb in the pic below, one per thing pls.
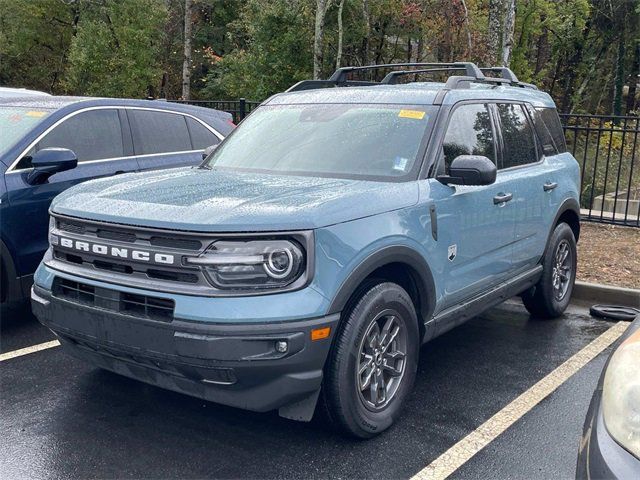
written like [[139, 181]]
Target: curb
[[606, 294]]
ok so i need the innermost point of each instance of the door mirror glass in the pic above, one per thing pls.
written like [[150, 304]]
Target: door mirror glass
[[208, 151], [470, 170], [49, 161]]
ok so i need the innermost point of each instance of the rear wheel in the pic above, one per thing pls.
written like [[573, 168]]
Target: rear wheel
[[373, 363], [552, 294]]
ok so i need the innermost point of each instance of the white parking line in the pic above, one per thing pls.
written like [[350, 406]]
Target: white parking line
[[465, 449], [28, 350]]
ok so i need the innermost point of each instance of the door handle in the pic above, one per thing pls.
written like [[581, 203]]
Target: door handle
[[549, 186], [502, 198], [120, 172]]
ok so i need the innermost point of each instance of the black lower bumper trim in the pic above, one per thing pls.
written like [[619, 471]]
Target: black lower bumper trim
[[236, 365]]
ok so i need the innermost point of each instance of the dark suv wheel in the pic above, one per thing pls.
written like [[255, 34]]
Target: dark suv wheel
[[551, 296], [372, 366]]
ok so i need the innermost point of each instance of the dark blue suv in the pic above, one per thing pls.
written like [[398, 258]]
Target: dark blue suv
[[48, 144]]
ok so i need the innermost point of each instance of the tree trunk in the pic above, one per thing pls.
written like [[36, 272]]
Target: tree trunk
[[543, 50], [340, 34], [493, 37], [367, 31], [186, 64], [468, 28], [318, 39], [618, 82], [507, 32], [633, 82]]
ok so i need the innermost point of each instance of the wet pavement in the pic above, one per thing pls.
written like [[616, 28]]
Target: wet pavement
[[61, 418]]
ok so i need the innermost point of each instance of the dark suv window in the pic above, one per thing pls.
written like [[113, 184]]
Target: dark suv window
[[158, 132], [552, 121], [469, 133], [92, 135], [201, 137], [517, 134]]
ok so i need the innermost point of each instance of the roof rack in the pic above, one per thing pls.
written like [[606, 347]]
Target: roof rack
[[472, 74]]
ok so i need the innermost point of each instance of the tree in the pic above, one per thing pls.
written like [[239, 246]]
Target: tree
[[507, 32], [115, 49], [340, 33], [493, 34], [318, 39], [186, 63]]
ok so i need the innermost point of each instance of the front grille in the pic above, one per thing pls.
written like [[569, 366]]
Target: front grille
[[71, 227], [177, 276], [175, 243], [142, 306], [118, 236]]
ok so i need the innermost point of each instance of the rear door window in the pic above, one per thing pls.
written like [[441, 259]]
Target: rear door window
[[517, 134], [469, 132], [158, 132], [201, 137], [92, 135]]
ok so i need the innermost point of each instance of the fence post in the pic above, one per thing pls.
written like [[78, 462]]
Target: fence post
[[242, 109]]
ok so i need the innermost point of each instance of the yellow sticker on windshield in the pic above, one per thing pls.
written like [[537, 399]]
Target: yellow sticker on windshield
[[36, 114], [415, 114]]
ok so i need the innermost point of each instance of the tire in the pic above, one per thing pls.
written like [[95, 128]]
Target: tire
[[548, 299], [364, 413]]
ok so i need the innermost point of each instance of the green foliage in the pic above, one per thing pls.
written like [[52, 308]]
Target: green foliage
[[114, 52], [34, 36], [272, 41], [584, 52]]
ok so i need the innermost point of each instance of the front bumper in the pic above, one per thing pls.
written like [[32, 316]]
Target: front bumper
[[231, 364]]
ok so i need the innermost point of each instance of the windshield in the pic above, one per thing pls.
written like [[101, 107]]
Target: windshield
[[369, 141], [16, 122]]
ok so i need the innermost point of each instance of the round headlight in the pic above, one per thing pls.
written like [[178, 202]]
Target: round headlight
[[279, 263]]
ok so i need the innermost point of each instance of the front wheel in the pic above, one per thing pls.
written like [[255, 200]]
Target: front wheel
[[373, 363], [552, 294]]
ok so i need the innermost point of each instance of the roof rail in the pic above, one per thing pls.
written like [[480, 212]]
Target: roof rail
[[471, 69], [472, 74], [315, 84]]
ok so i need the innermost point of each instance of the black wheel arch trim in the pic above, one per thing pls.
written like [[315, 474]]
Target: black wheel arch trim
[[385, 256], [568, 204]]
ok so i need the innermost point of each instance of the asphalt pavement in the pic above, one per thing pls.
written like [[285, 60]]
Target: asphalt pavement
[[61, 418]]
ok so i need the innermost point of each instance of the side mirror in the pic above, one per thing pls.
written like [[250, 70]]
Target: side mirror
[[470, 170], [48, 161], [208, 151]]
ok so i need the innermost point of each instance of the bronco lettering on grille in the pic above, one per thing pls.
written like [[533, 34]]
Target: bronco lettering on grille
[[117, 252]]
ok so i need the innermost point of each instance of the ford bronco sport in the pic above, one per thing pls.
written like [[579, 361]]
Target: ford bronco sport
[[340, 226]]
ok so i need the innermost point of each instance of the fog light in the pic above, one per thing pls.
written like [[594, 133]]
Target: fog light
[[281, 346]]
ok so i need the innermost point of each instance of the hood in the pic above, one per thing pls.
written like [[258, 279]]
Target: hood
[[229, 201]]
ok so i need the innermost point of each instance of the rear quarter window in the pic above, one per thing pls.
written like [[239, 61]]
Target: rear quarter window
[[548, 117], [201, 137], [158, 132]]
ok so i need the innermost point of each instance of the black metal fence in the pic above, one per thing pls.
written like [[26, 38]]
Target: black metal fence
[[238, 108], [606, 148]]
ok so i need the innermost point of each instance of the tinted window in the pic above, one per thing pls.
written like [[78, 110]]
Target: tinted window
[[544, 135], [517, 134], [158, 132], [92, 135], [201, 137], [552, 122], [469, 133]]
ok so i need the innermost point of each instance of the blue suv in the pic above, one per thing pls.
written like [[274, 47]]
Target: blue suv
[[48, 144], [343, 224]]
